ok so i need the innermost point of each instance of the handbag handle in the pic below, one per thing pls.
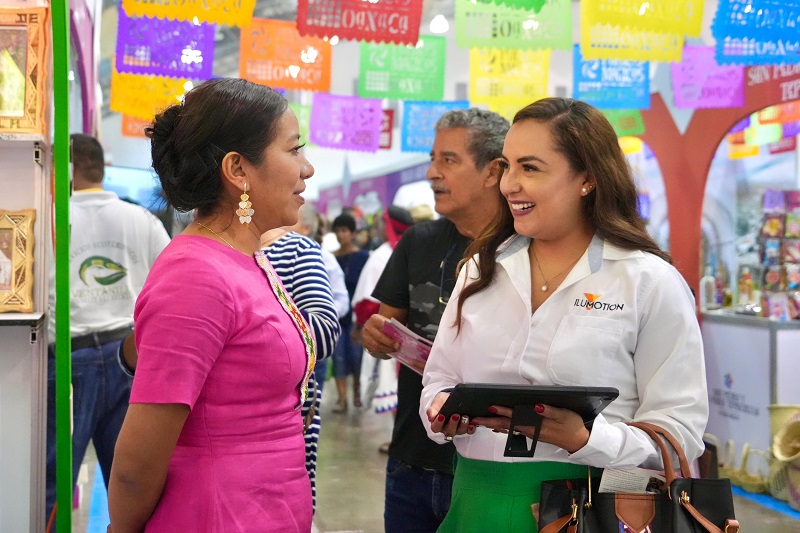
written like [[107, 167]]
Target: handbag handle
[[659, 435], [656, 432]]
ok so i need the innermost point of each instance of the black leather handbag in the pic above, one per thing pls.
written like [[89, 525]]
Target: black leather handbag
[[686, 505]]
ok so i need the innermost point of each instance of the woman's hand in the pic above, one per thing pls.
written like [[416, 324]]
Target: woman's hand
[[456, 425], [560, 427]]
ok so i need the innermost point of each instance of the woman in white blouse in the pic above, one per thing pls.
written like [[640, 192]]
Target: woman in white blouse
[[564, 288]]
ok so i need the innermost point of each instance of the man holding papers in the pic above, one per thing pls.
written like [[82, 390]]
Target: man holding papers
[[413, 290]]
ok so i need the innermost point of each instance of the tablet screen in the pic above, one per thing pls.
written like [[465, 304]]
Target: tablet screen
[[474, 399]]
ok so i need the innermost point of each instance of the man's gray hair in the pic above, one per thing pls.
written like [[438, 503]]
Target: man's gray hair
[[486, 131]]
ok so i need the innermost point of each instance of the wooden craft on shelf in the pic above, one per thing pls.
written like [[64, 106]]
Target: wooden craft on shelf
[[23, 70], [16, 260]]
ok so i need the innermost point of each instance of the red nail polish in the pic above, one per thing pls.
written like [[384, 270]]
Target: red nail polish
[[538, 408], [454, 418], [440, 418], [471, 429], [493, 410]]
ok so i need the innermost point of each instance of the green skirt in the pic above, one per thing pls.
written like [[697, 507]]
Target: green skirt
[[495, 496]]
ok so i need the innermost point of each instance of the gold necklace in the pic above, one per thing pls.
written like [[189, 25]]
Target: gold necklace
[[539, 266], [218, 235]]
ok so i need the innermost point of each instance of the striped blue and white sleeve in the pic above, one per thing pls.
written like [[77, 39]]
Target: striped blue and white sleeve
[[298, 262]]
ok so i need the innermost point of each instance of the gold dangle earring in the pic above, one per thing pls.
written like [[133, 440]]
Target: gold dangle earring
[[245, 210]]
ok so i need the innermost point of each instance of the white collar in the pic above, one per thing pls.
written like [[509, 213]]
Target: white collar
[[513, 257], [598, 250]]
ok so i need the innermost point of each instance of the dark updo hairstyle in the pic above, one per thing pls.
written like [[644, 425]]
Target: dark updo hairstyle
[[188, 141], [583, 135]]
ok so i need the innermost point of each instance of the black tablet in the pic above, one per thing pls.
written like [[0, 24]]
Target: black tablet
[[474, 399]]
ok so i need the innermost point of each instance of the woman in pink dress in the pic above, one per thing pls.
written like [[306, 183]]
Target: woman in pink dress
[[213, 438]]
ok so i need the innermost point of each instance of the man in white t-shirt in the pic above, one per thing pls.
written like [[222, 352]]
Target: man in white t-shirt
[[113, 244]]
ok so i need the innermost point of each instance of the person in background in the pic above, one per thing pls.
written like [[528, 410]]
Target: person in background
[[393, 222], [347, 355], [327, 239], [113, 245], [362, 239], [213, 438], [297, 259], [414, 288], [605, 307], [309, 225], [381, 374]]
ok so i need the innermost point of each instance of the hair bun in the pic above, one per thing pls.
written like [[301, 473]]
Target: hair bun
[[164, 124], [162, 146]]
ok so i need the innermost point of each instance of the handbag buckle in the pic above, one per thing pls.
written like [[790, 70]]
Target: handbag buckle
[[574, 519], [732, 526], [684, 497]]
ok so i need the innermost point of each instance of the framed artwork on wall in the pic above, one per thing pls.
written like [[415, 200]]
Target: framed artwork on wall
[[16, 260], [23, 70]]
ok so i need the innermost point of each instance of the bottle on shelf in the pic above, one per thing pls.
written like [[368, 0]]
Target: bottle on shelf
[[722, 284], [745, 287], [708, 291], [727, 297]]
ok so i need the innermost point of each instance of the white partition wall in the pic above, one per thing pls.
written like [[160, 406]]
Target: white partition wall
[[751, 363], [25, 184]]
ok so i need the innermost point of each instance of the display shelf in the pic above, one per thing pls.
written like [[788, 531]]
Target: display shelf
[[34, 137], [21, 319], [751, 363], [727, 317], [25, 184]]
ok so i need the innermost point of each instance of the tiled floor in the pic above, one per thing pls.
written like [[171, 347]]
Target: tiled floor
[[350, 480]]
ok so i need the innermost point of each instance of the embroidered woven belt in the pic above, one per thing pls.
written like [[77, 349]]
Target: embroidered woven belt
[[99, 338]]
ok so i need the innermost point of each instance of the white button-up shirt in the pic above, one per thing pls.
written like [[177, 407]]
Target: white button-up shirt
[[621, 318]]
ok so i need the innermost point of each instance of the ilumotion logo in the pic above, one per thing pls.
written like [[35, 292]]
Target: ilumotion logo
[[592, 301]]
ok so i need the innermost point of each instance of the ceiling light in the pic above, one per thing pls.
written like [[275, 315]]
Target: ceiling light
[[439, 24]]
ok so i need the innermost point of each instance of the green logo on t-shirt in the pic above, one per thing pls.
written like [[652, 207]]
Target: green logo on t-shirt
[[103, 270]]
